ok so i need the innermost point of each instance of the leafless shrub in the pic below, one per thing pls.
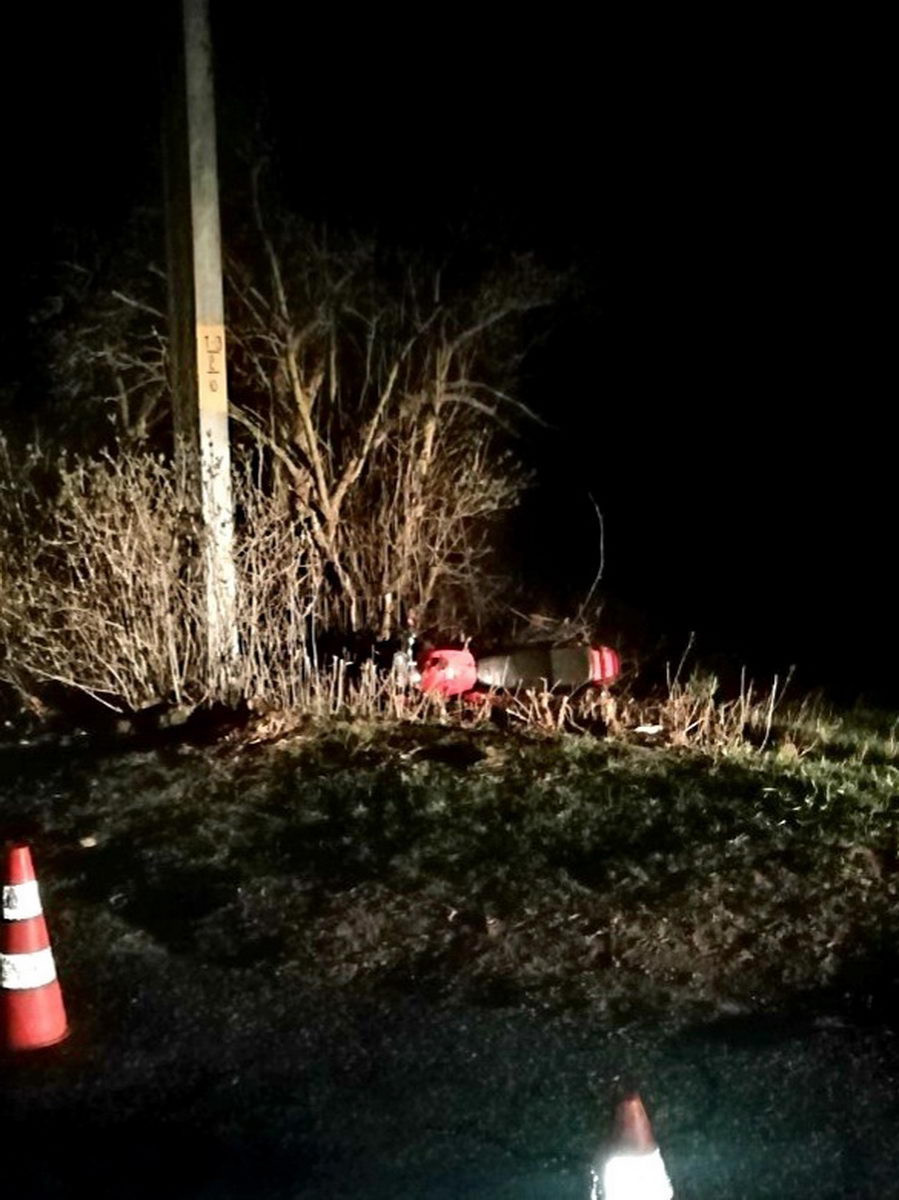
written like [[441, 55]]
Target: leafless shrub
[[102, 592], [379, 391], [378, 386], [279, 582], [99, 588], [102, 589]]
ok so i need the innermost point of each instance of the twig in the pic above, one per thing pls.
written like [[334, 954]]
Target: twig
[[602, 561]]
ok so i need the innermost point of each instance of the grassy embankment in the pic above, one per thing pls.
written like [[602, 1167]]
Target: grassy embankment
[[497, 867]]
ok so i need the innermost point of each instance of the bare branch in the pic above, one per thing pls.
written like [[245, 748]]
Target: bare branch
[[139, 305]]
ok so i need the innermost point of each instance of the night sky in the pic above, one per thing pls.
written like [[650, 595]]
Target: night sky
[[721, 382]]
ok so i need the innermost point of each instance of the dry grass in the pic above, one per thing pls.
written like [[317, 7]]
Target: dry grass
[[691, 715]]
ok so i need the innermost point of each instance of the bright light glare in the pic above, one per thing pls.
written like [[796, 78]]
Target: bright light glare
[[635, 1177]]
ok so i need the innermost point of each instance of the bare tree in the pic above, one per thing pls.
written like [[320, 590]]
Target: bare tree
[[375, 388], [380, 388]]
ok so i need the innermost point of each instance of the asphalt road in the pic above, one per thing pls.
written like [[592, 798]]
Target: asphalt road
[[189, 1080]]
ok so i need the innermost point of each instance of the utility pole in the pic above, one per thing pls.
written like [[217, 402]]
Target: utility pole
[[197, 322]]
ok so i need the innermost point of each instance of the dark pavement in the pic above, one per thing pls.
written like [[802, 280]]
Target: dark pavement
[[185, 1079]]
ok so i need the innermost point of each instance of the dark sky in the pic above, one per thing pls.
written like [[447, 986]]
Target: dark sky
[[722, 386]]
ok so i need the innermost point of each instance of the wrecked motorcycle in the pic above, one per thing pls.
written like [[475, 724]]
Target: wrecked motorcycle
[[446, 673]]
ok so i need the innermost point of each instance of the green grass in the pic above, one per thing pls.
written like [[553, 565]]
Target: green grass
[[491, 867]]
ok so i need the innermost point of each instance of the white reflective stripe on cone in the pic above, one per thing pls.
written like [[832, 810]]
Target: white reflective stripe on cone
[[634, 1177], [21, 901], [20, 971]]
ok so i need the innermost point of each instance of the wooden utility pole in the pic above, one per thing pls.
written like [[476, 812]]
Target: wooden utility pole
[[197, 322]]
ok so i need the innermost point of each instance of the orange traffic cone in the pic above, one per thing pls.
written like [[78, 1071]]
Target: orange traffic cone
[[632, 1168], [33, 1013]]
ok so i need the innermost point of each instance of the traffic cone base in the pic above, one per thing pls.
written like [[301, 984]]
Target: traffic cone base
[[632, 1169], [636, 1177], [35, 1018]]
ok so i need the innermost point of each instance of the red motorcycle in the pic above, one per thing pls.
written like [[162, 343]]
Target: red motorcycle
[[456, 672]]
